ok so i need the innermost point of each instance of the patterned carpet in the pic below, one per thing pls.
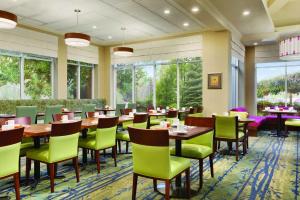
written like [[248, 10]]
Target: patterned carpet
[[270, 170]]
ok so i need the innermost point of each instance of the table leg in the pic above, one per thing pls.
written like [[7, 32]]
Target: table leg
[[105, 112], [178, 153], [279, 125], [37, 145], [148, 122], [84, 151]]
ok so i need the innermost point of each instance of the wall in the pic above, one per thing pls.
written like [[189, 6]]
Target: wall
[[216, 59]]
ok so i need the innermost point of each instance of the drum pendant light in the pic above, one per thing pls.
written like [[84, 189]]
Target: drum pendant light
[[123, 50], [77, 39], [8, 20]]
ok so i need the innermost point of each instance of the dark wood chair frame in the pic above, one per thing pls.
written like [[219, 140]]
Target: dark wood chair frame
[[107, 122], [58, 117], [125, 111], [172, 114], [10, 137], [158, 138], [243, 139], [138, 118], [202, 122], [59, 129]]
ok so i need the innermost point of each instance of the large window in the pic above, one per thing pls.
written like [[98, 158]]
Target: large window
[[175, 83], [24, 76], [278, 84], [80, 80]]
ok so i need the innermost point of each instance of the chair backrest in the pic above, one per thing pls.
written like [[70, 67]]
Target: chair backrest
[[125, 111], [199, 109], [241, 115], [192, 110], [140, 120], [106, 132], [27, 111], [50, 110], [172, 114], [92, 114], [87, 108], [226, 127], [63, 142], [205, 139], [10, 143], [58, 117], [150, 147]]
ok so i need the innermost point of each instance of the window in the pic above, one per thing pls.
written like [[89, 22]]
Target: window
[[80, 74], [25, 76], [176, 83], [124, 84], [9, 77], [277, 84]]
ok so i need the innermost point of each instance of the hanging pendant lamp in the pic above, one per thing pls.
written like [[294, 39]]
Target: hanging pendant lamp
[[122, 50], [77, 39], [8, 20]]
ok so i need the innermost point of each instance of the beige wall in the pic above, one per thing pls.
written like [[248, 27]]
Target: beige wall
[[250, 87], [60, 83], [216, 59]]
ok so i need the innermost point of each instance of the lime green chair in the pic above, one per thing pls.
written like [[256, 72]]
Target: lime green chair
[[139, 121], [200, 147], [63, 145], [151, 159], [126, 111], [50, 111], [27, 111], [227, 129], [241, 115], [10, 143], [87, 108], [293, 124], [104, 138]]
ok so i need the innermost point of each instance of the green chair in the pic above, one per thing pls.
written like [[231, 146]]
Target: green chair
[[87, 108], [126, 111], [293, 124], [151, 159], [227, 129], [139, 121], [63, 145], [199, 147], [10, 142], [104, 138], [50, 111], [27, 111]]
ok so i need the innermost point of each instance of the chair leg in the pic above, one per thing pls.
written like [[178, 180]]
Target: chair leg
[[134, 186], [17, 185], [92, 154], [114, 153], [119, 144], [215, 145], [211, 163], [127, 144], [155, 185], [236, 150], [51, 168], [75, 164], [200, 173], [104, 152], [97, 160], [219, 144], [28, 167], [188, 184], [167, 190]]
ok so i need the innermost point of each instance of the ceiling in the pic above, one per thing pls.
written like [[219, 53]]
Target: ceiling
[[145, 19]]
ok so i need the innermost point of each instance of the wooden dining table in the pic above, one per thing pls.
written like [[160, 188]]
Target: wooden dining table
[[105, 110], [37, 131]]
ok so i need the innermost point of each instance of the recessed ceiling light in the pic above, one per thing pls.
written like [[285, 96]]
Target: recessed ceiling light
[[255, 43], [185, 24], [195, 9], [246, 12], [94, 27], [167, 11], [109, 37]]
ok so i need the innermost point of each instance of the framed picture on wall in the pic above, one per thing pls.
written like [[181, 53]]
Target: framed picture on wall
[[215, 81]]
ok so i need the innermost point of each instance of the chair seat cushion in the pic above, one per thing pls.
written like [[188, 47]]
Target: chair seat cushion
[[123, 136], [41, 154], [194, 151], [155, 121], [178, 165], [292, 122], [90, 143], [196, 115], [26, 147]]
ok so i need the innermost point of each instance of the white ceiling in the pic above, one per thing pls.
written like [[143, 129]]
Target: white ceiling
[[144, 19]]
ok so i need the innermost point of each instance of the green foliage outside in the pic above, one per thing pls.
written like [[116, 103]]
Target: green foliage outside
[[143, 88], [124, 85], [72, 82]]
